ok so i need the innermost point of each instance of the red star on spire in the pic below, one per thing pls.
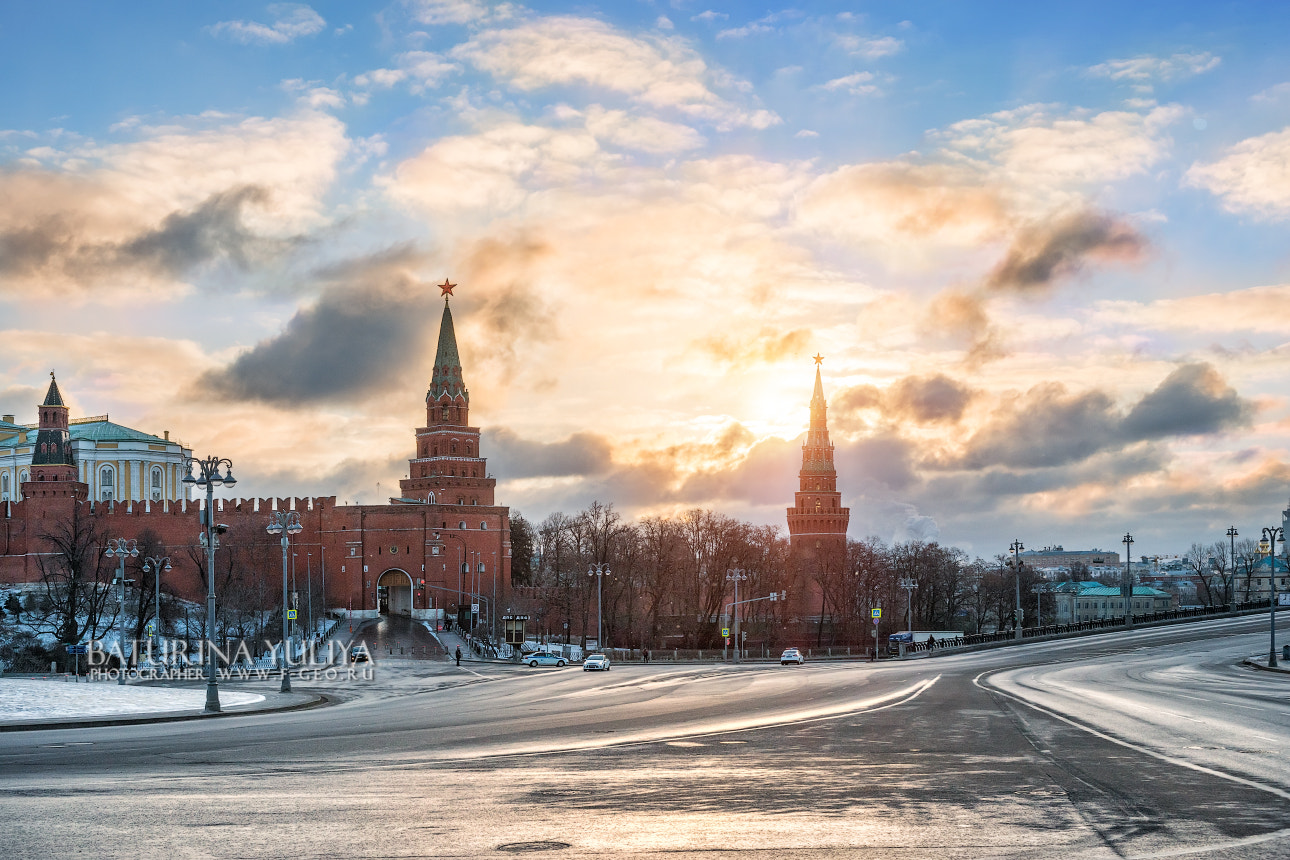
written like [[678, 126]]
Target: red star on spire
[[445, 289], [819, 359]]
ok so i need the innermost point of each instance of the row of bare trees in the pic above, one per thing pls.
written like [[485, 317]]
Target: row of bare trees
[[76, 600], [670, 583], [1224, 571]]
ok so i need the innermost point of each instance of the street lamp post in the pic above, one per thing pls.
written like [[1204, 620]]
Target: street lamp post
[[209, 476], [909, 584], [158, 566], [120, 548], [1127, 588], [286, 524], [736, 576], [1231, 534], [309, 591], [1271, 536], [599, 571], [1016, 548]]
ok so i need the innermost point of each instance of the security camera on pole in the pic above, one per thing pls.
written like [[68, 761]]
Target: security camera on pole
[[599, 571], [120, 548], [736, 576], [209, 477], [286, 524]]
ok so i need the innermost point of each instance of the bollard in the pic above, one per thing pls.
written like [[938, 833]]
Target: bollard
[[1285, 652]]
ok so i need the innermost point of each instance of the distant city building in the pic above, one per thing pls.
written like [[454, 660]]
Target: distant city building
[[1091, 601], [116, 463], [1058, 557], [1256, 583]]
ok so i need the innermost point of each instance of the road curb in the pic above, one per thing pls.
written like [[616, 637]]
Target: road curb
[[317, 701], [1263, 667]]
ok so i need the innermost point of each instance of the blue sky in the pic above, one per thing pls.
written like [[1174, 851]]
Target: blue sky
[[1042, 248]]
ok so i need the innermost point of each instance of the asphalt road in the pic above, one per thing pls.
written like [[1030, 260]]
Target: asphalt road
[[1149, 744]]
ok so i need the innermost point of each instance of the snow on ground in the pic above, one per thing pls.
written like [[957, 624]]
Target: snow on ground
[[49, 700]]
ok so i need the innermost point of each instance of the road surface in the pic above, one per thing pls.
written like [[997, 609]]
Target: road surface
[[1146, 744]]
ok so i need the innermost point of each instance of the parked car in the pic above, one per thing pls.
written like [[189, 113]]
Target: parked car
[[596, 663], [543, 658], [791, 655]]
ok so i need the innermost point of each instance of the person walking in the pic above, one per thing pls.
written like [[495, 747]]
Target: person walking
[[458, 655]]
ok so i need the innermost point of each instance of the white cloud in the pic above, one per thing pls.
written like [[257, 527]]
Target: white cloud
[[858, 84], [709, 16], [1253, 176], [870, 48], [436, 12], [643, 133], [656, 71], [292, 20], [1047, 148], [664, 23], [422, 70], [1272, 94], [806, 132], [1147, 70]]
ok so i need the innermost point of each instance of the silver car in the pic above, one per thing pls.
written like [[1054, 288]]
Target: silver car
[[596, 663], [791, 655]]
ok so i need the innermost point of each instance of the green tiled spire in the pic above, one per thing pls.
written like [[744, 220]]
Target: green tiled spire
[[447, 363]]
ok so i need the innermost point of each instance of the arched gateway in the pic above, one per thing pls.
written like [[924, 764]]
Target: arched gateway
[[394, 592]]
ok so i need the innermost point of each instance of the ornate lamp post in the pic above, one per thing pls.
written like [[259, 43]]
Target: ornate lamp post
[[209, 477], [1127, 589], [736, 576], [286, 524], [120, 548], [599, 571], [909, 584], [1231, 534], [158, 566], [1016, 548], [1270, 537]]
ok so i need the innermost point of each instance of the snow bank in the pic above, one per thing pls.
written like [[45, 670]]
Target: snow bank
[[22, 700]]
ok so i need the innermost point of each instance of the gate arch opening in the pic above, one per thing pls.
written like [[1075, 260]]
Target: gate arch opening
[[394, 593]]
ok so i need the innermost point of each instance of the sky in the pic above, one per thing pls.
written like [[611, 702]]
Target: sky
[[1042, 249]]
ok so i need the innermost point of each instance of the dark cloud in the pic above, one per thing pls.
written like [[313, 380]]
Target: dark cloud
[[1193, 400], [369, 332], [887, 460], [21, 401], [61, 246], [1059, 247], [1049, 426], [581, 455], [963, 317], [922, 399], [929, 399]]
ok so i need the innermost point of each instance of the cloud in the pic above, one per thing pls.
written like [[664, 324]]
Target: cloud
[[291, 21], [1049, 426], [1193, 400], [1038, 146], [439, 12], [933, 399], [370, 331], [642, 133], [1256, 309], [136, 217], [1145, 70], [653, 70], [1252, 177], [857, 84], [769, 345], [1060, 246], [581, 455], [421, 70], [709, 16], [871, 48]]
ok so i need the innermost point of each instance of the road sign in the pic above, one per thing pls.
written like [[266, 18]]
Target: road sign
[[474, 607], [291, 615], [875, 614], [725, 631]]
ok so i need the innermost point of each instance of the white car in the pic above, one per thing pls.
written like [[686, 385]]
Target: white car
[[543, 658], [595, 663], [791, 655]]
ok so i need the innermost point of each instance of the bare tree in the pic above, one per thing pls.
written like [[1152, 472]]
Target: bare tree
[[76, 600]]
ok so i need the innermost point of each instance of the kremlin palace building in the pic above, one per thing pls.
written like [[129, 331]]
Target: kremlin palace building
[[423, 554]]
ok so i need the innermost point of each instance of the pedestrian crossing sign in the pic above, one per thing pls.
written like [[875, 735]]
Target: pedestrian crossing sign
[[725, 631], [875, 614], [291, 615]]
